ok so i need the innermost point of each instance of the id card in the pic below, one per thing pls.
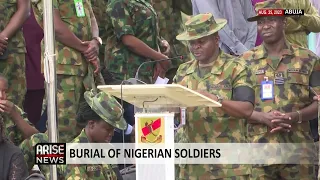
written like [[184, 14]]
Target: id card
[[79, 8], [266, 90]]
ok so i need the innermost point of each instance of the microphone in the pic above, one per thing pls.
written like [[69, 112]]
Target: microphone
[[136, 77]]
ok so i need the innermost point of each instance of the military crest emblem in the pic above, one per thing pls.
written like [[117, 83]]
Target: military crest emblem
[[151, 130]]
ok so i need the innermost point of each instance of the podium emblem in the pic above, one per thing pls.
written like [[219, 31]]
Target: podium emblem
[[151, 130]]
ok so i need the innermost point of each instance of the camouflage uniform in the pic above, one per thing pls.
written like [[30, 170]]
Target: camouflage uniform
[[137, 18], [224, 76], [170, 25], [295, 69], [71, 67], [12, 131], [99, 8], [292, 75], [27, 148], [83, 171], [111, 112], [13, 68], [297, 30]]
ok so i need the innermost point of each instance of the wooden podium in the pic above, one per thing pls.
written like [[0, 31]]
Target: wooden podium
[[157, 97]]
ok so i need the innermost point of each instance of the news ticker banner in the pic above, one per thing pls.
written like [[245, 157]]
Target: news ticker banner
[[191, 153], [280, 12]]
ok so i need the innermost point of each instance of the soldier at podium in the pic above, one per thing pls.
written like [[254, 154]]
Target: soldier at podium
[[223, 78]]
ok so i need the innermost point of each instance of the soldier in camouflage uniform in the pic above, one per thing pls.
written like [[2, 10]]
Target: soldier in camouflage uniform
[[100, 128], [12, 47], [77, 44], [289, 70], [100, 125], [170, 25], [135, 39], [222, 78], [17, 126]]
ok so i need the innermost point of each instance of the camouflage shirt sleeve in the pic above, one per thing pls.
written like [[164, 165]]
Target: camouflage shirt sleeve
[[315, 74], [181, 72], [311, 18], [243, 83], [37, 6], [119, 13], [13, 132]]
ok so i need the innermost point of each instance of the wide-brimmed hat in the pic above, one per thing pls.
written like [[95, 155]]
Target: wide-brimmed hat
[[107, 107], [200, 26], [265, 5]]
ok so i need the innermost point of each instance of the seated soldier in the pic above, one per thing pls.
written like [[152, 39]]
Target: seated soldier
[[17, 126], [101, 122], [99, 128]]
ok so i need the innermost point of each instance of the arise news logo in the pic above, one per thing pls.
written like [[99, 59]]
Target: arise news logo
[[50, 153]]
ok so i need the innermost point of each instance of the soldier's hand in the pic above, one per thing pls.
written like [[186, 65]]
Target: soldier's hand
[[166, 46], [284, 121], [287, 118], [96, 64], [92, 51], [158, 71], [268, 118], [3, 43], [316, 98], [165, 65], [6, 106]]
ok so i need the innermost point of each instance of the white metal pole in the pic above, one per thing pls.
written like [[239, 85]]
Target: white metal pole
[[50, 76]]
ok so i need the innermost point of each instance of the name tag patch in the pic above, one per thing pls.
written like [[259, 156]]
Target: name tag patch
[[260, 71], [298, 70], [93, 168]]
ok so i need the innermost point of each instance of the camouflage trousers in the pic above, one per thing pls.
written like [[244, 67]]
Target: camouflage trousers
[[70, 90], [13, 69], [284, 171]]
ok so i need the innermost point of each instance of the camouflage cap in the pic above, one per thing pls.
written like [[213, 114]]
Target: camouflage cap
[[267, 5], [200, 26], [107, 107]]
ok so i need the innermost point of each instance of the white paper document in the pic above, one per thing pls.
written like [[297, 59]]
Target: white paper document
[[160, 80]]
